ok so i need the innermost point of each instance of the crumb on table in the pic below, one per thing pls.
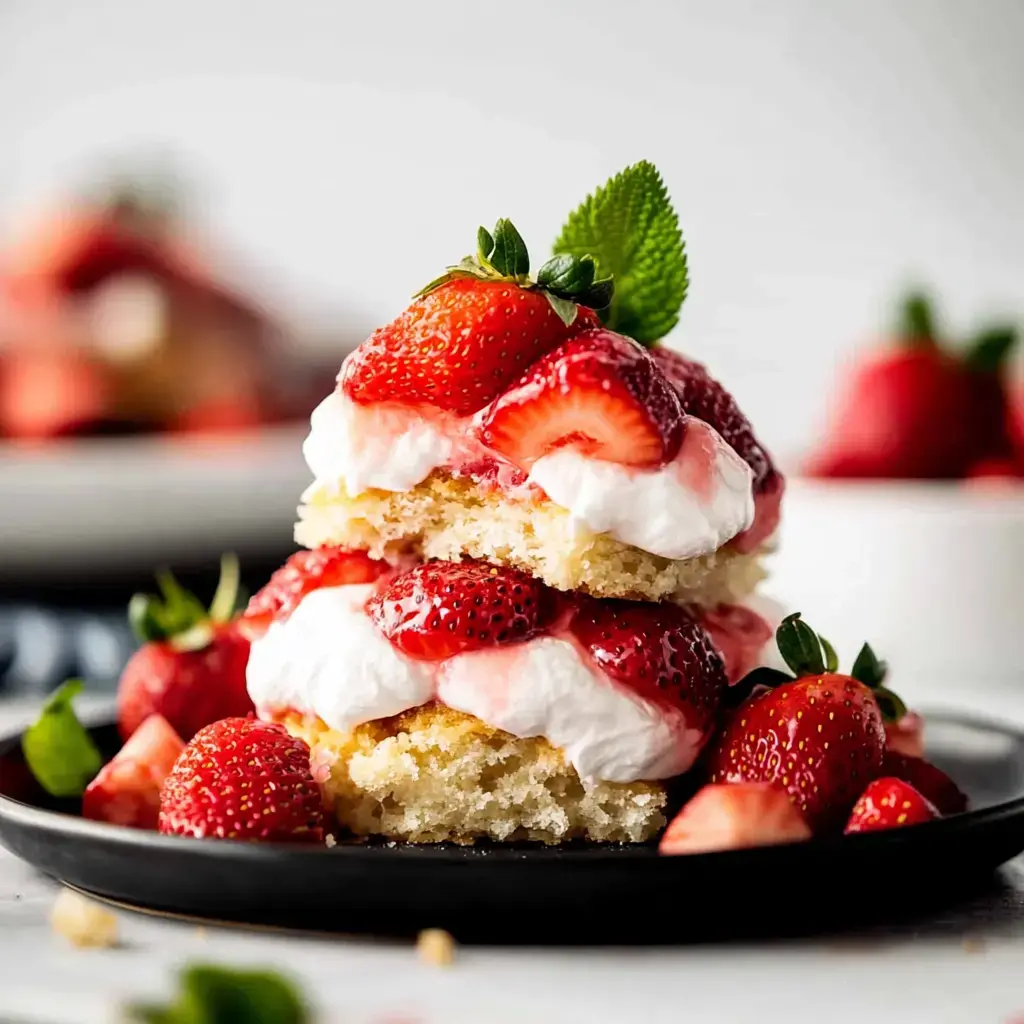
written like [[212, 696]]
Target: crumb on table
[[436, 947], [82, 922]]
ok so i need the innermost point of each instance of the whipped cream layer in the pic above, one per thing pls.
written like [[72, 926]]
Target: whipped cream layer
[[685, 509], [329, 660]]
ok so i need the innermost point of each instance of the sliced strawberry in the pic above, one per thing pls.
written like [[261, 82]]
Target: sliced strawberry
[[905, 736], [127, 789], [243, 779], [458, 347], [599, 393], [441, 609], [889, 803], [304, 572], [658, 651], [734, 818], [936, 786]]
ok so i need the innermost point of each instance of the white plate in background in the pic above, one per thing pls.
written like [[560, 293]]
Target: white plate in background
[[76, 505], [932, 574]]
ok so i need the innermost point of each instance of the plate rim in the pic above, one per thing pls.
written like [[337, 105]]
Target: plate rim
[[74, 827]]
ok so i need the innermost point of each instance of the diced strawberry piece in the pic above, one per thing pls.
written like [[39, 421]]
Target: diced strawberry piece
[[127, 789], [935, 785], [905, 736], [458, 347], [441, 609], [304, 572], [659, 651], [599, 393], [734, 817], [889, 803]]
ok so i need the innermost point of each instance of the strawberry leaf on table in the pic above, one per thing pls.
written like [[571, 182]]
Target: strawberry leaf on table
[[59, 751], [630, 230], [211, 994]]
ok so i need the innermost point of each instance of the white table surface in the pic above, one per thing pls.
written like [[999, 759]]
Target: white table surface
[[964, 965]]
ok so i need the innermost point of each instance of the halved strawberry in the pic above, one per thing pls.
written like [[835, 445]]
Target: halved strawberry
[[599, 393], [306, 571], [933, 783], [889, 803], [659, 651], [733, 817], [127, 789], [441, 609]]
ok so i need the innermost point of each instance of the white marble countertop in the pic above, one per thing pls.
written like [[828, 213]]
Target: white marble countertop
[[961, 966]]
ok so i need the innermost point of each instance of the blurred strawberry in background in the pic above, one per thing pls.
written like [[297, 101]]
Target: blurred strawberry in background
[[114, 323], [919, 408]]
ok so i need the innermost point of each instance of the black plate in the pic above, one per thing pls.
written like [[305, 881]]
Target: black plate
[[584, 893]]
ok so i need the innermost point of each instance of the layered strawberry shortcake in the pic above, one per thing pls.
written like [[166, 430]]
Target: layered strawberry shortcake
[[459, 701], [534, 541]]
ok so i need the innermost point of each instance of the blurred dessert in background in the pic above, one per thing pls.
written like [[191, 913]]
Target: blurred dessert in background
[[919, 407], [113, 321]]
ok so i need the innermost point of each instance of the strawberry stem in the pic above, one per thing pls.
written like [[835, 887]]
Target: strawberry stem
[[915, 324], [989, 351]]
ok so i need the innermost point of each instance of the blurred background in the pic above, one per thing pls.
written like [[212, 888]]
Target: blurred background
[[290, 173]]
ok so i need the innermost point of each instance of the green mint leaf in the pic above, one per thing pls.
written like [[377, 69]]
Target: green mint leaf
[[915, 323], [867, 668], [631, 230], [210, 994], [510, 258], [831, 658], [58, 749], [224, 605], [484, 244], [799, 646], [989, 351], [565, 308], [892, 708]]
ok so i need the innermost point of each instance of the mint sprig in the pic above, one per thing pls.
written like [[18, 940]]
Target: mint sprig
[[178, 616], [58, 749], [208, 994], [566, 281], [632, 232], [809, 654]]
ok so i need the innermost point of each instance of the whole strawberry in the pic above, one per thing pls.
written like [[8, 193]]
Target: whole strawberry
[[820, 736], [243, 779], [916, 409], [191, 666], [889, 803], [473, 331]]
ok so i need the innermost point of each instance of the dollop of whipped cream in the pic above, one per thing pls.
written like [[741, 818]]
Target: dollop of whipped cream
[[359, 447], [328, 659], [684, 509], [687, 508], [544, 687]]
